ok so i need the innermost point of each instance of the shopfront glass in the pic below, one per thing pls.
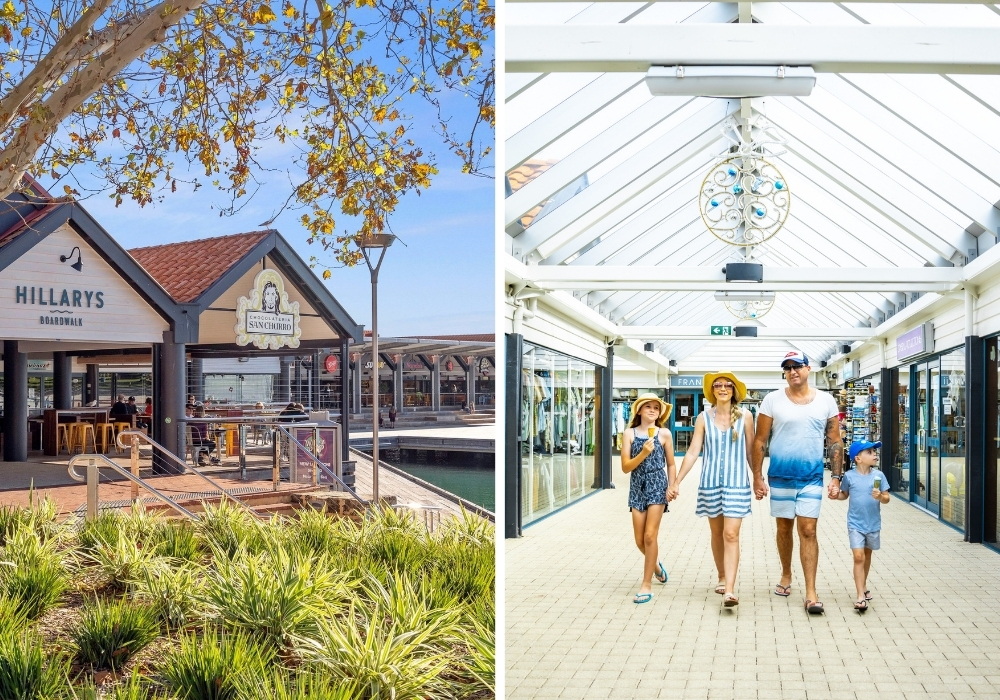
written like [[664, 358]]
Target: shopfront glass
[[899, 470], [991, 500], [558, 431], [687, 406], [953, 438]]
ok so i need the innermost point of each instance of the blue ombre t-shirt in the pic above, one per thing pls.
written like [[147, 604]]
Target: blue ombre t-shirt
[[798, 436]]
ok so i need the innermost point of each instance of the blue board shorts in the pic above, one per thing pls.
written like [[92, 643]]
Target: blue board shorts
[[790, 498]]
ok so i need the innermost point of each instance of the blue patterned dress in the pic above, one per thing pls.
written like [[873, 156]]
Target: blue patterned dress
[[725, 477], [648, 485]]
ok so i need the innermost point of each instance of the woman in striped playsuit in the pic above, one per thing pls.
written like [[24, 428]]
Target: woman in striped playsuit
[[726, 431]]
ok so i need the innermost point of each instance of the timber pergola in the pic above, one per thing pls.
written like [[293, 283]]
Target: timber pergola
[[891, 161]]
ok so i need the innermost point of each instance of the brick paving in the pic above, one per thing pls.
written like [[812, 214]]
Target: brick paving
[[572, 630]]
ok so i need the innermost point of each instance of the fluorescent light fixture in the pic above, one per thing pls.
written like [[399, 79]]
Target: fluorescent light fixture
[[744, 296], [731, 81]]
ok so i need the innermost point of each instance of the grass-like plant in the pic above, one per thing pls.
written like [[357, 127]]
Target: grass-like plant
[[120, 563], [228, 529], [27, 671], [278, 597], [216, 666], [111, 632], [387, 662], [12, 616], [318, 532], [135, 687], [105, 529], [311, 684], [177, 540], [32, 572], [173, 592], [394, 542], [480, 661]]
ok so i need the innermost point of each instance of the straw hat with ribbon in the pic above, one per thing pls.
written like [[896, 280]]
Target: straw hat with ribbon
[[646, 398], [709, 380]]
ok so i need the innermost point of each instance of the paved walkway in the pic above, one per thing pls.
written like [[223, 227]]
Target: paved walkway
[[572, 631]]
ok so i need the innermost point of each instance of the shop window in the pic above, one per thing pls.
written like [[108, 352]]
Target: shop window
[[991, 500], [558, 431], [952, 447], [899, 469]]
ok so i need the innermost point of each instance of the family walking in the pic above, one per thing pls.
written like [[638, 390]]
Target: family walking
[[795, 425]]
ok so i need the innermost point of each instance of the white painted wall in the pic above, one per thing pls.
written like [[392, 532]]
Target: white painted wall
[[124, 316], [556, 331]]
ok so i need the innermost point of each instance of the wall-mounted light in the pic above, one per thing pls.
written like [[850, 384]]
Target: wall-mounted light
[[731, 81], [78, 265]]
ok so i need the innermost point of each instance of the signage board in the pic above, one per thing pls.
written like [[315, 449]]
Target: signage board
[[917, 341], [685, 381], [722, 330], [331, 363], [267, 319], [852, 370], [39, 365]]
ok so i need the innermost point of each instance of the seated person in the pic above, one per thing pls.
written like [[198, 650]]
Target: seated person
[[130, 407], [148, 411], [199, 435], [120, 408], [292, 412]]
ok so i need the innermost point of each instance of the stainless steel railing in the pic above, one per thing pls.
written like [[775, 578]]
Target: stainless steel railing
[[92, 478]]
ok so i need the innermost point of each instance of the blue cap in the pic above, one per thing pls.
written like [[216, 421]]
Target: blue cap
[[862, 446]]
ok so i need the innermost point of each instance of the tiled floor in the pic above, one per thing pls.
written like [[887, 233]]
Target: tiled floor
[[572, 631]]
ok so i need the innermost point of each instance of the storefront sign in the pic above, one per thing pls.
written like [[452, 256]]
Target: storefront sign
[[381, 364], [684, 381], [852, 369], [915, 342], [267, 319], [331, 363], [39, 365]]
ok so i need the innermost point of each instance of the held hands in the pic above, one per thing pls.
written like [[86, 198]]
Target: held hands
[[759, 488], [833, 489], [672, 493]]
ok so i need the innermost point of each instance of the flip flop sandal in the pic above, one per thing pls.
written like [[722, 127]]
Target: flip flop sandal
[[661, 575], [814, 607], [868, 595], [720, 588], [783, 591], [861, 606], [641, 598], [730, 601]]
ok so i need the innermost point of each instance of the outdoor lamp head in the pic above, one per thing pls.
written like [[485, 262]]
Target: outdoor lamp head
[[78, 265], [380, 240]]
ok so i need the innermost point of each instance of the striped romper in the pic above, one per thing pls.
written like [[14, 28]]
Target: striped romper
[[725, 476]]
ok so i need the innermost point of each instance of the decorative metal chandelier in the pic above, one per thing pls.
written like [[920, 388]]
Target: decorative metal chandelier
[[749, 310], [744, 199]]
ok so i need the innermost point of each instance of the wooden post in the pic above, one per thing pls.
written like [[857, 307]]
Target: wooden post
[[135, 468], [276, 467]]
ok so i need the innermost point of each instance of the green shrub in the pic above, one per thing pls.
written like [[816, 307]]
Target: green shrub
[[177, 540], [33, 572], [480, 662], [386, 661], [310, 685], [174, 593], [318, 532], [120, 563], [394, 542], [12, 616], [228, 529], [27, 672], [111, 632], [214, 667], [105, 529], [136, 687], [277, 597]]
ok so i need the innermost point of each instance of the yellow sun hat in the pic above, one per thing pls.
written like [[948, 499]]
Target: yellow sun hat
[[709, 380], [665, 409]]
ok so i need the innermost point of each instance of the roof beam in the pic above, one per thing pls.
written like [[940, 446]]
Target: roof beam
[[652, 333], [898, 2], [777, 279], [828, 49]]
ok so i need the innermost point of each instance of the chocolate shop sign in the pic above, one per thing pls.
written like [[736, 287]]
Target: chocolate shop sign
[[267, 319], [64, 301], [918, 341]]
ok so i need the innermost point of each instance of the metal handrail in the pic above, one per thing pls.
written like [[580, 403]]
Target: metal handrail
[[323, 468], [93, 476], [184, 465]]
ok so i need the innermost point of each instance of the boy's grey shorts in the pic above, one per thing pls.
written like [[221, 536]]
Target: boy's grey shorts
[[863, 540]]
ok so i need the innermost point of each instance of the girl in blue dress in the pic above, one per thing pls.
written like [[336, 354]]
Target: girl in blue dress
[[650, 463], [726, 431]]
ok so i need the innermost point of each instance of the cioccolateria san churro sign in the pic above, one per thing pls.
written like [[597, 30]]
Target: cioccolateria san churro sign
[[266, 319]]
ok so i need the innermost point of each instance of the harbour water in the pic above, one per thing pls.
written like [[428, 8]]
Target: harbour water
[[464, 474]]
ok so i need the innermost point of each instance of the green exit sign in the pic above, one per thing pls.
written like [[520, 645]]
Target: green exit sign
[[722, 330]]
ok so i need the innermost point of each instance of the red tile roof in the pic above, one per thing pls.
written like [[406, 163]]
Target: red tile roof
[[187, 269]]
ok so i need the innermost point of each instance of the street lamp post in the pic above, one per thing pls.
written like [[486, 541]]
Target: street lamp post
[[368, 244]]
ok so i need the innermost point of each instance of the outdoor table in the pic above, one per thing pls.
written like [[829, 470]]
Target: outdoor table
[[54, 416]]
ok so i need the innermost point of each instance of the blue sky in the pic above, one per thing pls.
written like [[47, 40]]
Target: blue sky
[[441, 282]]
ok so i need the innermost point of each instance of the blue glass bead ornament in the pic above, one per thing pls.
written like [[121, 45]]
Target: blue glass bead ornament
[[714, 203], [759, 212], [737, 189], [731, 172], [779, 185]]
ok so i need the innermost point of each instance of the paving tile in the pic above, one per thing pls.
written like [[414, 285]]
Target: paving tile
[[921, 638]]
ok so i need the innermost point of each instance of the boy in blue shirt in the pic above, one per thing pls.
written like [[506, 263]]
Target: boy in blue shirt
[[864, 517]]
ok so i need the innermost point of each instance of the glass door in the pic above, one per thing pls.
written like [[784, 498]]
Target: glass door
[[686, 409], [900, 469], [926, 470]]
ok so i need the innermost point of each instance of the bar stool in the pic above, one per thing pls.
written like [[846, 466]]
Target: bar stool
[[79, 434], [62, 437], [107, 433], [121, 426]]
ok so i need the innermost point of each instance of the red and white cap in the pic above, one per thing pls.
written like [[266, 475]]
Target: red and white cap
[[795, 356]]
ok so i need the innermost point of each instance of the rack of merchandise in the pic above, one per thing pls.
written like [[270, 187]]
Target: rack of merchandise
[[861, 409]]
